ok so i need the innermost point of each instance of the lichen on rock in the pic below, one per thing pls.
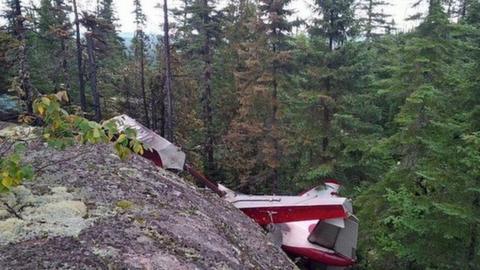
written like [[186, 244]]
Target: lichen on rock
[[54, 214]]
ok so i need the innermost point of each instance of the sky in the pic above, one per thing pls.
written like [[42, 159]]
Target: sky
[[399, 9]]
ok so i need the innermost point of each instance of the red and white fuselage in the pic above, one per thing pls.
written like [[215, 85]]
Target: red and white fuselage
[[317, 225]]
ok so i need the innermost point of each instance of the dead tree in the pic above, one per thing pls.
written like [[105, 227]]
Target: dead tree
[[168, 124], [81, 81]]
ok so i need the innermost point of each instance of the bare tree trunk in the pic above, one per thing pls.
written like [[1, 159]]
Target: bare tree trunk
[[66, 76], [126, 82], [472, 249], [93, 77], [81, 82], [28, 92], [168, 123], [142, 77], [207, 96], [153, 105]]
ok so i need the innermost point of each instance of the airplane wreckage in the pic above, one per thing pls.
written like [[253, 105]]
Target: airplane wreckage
[[317, 225]]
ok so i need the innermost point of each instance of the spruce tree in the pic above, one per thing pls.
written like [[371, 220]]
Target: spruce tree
[[202, 30], [98, 32], [277, 28], [374, 21], [325, 78], [52, 71]]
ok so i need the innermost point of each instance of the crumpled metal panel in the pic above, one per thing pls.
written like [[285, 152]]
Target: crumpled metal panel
[[171, 155]]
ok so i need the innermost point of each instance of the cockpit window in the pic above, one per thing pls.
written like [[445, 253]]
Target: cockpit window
[[321, 187]]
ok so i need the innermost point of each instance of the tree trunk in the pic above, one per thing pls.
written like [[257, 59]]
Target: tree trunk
[[81, 82], [472, 248], [93, 77], [207, 95], [28, 92], [127, 82], [142, 77], [463, 10], [153, 105], [168, 125], [273, 128], [66, 77], [370, 20]]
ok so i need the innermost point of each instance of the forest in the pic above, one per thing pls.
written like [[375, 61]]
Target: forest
[[269, 104]]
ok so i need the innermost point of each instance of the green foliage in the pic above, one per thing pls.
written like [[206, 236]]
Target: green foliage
[[63, 129], [12, 170]]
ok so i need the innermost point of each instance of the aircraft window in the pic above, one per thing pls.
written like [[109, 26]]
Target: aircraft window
[[325, 234]]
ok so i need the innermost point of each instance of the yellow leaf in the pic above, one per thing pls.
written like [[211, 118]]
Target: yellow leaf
[[137, 148], [121, 138], [96, 133], [40, 109], [7, 181], [46, 101]]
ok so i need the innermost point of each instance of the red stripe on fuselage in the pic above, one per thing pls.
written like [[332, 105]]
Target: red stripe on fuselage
[[282, 214], [153, 156], [331, 259]]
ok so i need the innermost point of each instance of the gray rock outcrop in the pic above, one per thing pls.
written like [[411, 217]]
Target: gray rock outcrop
[[87, 209]]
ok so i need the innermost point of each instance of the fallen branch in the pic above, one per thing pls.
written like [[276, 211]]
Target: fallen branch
[[12, 211]]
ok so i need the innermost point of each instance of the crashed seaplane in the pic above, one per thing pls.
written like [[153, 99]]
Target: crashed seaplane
[[317, 225]]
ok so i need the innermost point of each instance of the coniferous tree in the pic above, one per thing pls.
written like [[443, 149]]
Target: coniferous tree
[[54, 34], [139, 52], [324, 81], [99, 30], [277, 28], [374, 22], [203, 32], [79, 51], [426, 184], [17, 27], [247, 131], [168, 122]]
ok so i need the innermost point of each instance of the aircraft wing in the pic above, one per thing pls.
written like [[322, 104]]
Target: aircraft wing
[[280, 209]]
